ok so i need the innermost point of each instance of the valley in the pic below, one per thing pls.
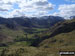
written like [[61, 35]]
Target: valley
[[24, 40]]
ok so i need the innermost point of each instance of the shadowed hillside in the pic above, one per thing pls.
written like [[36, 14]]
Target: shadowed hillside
[[63, 27]]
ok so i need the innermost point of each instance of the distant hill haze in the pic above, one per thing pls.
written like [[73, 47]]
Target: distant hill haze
[[41, 22]]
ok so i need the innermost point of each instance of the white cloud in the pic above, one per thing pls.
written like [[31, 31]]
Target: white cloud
[[5, 7], [25, 7], [41, 3], [66, 10]]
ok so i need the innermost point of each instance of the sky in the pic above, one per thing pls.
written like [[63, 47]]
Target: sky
[[37, 8]]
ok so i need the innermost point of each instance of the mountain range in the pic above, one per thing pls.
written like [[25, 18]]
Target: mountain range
[[41, 22]]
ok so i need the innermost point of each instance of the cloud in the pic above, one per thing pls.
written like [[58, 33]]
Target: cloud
[[25, 7], [42, 3], [3, 9], [14, 13], [66, 10]]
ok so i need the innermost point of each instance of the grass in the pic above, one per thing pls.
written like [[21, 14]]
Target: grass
[[34, 51], [64, 39], [22, 43]]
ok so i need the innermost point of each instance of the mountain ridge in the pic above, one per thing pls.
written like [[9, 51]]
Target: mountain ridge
[[42, 22]]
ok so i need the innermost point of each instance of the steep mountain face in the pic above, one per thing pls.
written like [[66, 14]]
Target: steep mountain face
[[42, 22], [46, 21], [8, 23], [21, 21], [63, 27]]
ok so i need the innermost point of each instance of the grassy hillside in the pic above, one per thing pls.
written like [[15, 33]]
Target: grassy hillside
[[61, 40]]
